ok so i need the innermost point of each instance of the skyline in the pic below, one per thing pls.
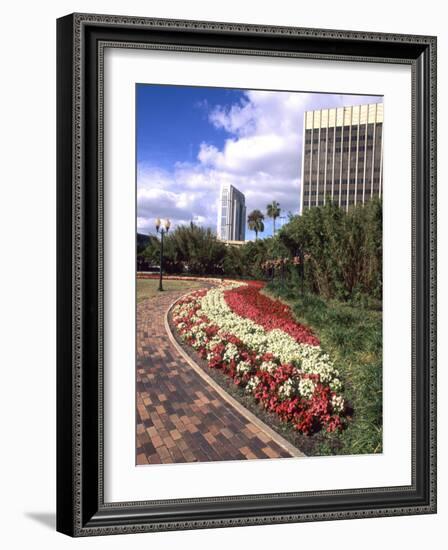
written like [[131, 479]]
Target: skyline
[[191, 140]]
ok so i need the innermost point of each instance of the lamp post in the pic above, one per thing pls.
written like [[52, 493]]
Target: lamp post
[[162, 227]]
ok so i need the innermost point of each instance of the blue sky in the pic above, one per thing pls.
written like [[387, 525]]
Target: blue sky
[[172, 122], [192, 139]]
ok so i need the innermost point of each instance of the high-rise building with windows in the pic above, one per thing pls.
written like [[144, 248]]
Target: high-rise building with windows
[[231, 214], [342, 156]]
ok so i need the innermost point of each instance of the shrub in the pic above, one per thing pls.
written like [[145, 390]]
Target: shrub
[[344, 249]]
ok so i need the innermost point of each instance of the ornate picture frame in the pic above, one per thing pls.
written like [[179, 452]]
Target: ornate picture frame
[[81, 507]]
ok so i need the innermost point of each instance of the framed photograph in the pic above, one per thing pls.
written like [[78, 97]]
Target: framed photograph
[[246, 274]]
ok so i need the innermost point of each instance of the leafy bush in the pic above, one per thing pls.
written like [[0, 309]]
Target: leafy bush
[[190, 249], [343, 252], [344, 249]]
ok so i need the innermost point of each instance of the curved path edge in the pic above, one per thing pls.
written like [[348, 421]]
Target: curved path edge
[[276, 437]]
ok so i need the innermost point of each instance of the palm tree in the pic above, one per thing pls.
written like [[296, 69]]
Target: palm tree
[[273, 211], [255, 222]]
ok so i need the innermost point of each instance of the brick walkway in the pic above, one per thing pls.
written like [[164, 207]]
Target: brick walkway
[[180, 418]]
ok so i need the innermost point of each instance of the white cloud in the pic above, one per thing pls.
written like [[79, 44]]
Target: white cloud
[[182, 195], [261, 157]]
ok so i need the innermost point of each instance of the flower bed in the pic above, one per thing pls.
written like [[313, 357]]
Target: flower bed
[[295, 380], [156, 276], [247, 301]]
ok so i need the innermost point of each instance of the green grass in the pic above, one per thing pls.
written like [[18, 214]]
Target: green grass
[[352, 335], [148, 288]]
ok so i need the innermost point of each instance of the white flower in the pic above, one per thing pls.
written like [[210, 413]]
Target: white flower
[[243, 367], [213, 342], [336, 385], [252, 384], [306, 388], [338, 403], [231, 353], [287, 389], [268, 366]]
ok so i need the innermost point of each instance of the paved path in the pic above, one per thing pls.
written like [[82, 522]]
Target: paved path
[[180, 418]]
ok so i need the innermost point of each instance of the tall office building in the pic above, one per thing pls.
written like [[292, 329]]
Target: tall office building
[[231, 214], [342, 156]]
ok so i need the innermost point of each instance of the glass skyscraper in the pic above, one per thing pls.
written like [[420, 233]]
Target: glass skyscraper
[[231, 214], [342, 155]]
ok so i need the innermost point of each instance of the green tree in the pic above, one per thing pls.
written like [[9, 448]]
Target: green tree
[[234, 263], [343, 249], [195, 249], [151, 253], [142, 242], [255, 253], [273, 211], [255, 222]]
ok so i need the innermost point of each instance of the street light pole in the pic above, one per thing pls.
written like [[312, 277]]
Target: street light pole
[[162, 229], [161, 260]]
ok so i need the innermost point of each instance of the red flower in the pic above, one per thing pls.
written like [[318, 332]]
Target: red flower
[[247, 301], [305, 415]]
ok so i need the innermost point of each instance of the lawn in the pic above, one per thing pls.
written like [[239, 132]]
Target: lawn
[[352, 335], [148, 288]]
